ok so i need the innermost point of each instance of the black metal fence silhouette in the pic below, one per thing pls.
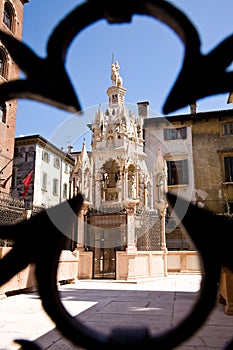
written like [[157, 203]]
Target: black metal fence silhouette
[[47, 81]]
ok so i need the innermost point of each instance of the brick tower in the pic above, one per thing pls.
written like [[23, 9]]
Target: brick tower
[[11, 21]]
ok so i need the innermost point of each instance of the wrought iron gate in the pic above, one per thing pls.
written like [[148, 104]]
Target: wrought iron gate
[[47, 81], [105, 234], [104, 264]]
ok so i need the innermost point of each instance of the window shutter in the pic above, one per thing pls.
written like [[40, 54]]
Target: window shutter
[[228, 166], [166, 134], [184, 133], [185, 171], [169, 173]]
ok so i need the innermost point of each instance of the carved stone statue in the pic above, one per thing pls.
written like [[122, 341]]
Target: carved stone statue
[[116, 78]]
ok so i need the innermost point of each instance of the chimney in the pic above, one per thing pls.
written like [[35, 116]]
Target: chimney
[[143, 108], [193, 108], [70, 149]]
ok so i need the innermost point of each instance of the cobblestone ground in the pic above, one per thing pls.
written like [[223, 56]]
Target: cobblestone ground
[[102, 305]]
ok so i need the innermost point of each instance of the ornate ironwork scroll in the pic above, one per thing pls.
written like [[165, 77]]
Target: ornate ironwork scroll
[[42, 84], [47, 80]]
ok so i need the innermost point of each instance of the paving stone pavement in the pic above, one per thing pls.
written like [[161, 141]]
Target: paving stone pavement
[[158, 304]]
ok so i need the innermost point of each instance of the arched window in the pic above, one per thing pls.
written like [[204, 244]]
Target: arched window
[[8, 16], [3, 113], [3, 60]]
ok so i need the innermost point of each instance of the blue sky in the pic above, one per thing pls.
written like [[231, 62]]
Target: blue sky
[[149, 53]]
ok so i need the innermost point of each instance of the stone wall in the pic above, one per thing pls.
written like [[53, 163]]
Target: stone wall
[[209, 147], [140, 265], [25, 279], [131, 267], [150, 265], [183, 261]]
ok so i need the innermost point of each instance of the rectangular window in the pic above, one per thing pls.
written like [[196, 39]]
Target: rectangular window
[[228, 168], [175, 134], [56, 163], [177, 172], [66, 168], [45, 156], [227, 129], [55, 186], [65, 190], [44, 181]]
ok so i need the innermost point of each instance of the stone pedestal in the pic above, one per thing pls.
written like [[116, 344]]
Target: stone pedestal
[[131, 239]]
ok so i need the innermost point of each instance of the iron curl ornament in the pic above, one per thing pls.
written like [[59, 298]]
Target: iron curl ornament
[[47, 81]]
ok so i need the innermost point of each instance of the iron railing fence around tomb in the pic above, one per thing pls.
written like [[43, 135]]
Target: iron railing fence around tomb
[[46, 81], [148, 230]]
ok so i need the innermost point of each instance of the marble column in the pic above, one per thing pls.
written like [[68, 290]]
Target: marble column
[[126, 184], [163, 231], [162, 207], [131, 240], [81, 226]]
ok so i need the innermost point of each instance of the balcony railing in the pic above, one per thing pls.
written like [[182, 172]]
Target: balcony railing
[[7, 200]]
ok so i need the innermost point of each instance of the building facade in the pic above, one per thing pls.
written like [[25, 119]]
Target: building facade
[[50, 167], [133, 161], [206, 139], [198, 150], [11, 21]]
